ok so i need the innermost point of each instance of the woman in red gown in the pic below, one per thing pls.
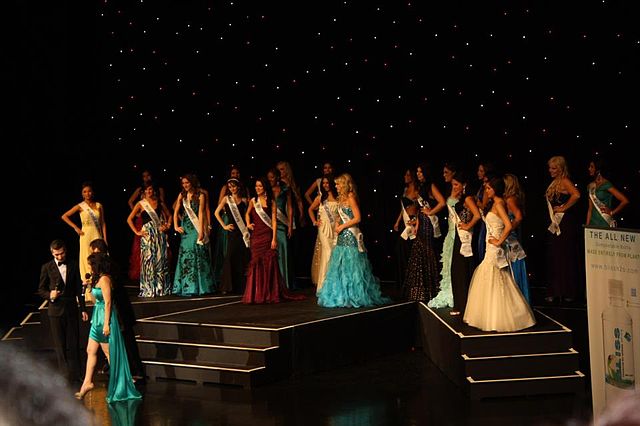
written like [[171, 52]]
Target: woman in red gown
[[264, 280]]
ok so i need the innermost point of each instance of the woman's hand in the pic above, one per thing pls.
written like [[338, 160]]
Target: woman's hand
[[251, 226], [396, 227], [79, 231], [229, 227], [106, 330], [493, 241], [274, 244], [338, 229], [180, 229]]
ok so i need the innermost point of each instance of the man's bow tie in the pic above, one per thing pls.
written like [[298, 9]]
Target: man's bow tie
[[64, 262]]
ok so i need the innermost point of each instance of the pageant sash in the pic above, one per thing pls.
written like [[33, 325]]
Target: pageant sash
[[409, 232], [514, 248], [465, 236], [599, 205], [84, 206], [354, 230], [556, 218], [282, 218], [261, 213], [151, 212], [194, 220], [435, 222], [235, 212]]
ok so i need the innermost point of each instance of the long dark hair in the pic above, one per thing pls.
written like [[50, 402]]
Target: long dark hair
[[332, 188], [267, 189], [101, 264], [497, 184]]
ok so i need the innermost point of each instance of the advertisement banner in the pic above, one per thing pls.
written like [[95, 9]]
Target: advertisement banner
[[612, 261]]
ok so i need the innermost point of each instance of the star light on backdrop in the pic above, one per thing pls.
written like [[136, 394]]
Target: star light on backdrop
[[375, 87]]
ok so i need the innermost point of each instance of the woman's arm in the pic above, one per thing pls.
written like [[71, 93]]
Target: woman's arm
[[247, 215], [498, 205], [105, 286], [574, 195], [274, 226], [202, 212], [67, 219], [289, 214], [312, 210], [228, 227], [439, 198], [470, 202], [353, 203], [176, 211], [513, 207], [309, 192], [167, 217], [134, 198], [622, 201], [133, 214], [103, 223]]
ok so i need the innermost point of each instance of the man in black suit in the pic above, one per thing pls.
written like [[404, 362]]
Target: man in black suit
[[61, 285]]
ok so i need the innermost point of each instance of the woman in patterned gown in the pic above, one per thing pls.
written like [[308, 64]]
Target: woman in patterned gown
[[265, 283], [154, 259], [495, 303], [193, 272], [422, 272], [601, 194], [93, 226], [406, 230], [349, 281], [105, 334], [327, 205]]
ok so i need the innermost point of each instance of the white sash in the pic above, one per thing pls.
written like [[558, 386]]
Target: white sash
[[239, 221], [327, 210], [500, 258], [599, 205], [93, 216], [194, 220], [514, 248], [556, 218], [151, 212], [283, 218], [465, 236], [409, 230], [435, 222], [261, 213], [353, 229]]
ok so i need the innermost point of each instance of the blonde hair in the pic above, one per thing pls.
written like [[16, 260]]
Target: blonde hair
[[560, 163], [348, 185], [291, 181], [512, 188]]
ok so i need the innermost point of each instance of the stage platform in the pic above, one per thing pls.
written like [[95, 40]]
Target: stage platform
[[537, 360]]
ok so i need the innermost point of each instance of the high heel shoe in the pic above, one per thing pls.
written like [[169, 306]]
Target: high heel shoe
[[83, 391]]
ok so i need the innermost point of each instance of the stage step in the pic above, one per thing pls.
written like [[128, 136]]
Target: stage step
[[521, 365], [207, 333], [538, 360], [534, 385], [240, 355], [152, 307], [201, 372]]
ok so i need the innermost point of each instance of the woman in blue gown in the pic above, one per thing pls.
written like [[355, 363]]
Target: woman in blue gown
[[106, 335], [349, 281]]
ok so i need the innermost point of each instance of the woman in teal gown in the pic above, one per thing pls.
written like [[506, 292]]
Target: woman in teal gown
[[602, 193], [106, 335], [194, 274], [349, 281], [282, 196]]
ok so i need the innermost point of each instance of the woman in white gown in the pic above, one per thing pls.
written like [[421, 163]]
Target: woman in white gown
[[495, 302], [327, 205]]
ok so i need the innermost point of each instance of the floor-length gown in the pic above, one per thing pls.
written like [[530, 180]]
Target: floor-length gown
[[193, 272], [421, 283], [495, 303], [154, 259], [327, 214], [283, 240], [234, 266], [121, 385], [90, 233], [349, 281], [445, 295], [134, 258], [517, 260], [264, 280], [562, 254]]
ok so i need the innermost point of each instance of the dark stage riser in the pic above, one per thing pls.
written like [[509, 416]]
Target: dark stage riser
[[539, 360], [184, 347]]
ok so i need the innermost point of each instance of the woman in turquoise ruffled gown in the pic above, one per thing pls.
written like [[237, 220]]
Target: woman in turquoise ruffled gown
[[349, 281], [106, 335]]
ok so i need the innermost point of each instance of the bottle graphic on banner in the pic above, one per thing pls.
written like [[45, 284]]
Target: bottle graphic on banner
[[617, 335], [633, 307]]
